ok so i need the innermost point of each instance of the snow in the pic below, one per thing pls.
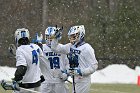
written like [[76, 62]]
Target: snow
[[115, 73], [6, 72]]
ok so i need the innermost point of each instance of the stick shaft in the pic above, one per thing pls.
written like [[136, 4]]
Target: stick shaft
[[32, 91], [73, 84]]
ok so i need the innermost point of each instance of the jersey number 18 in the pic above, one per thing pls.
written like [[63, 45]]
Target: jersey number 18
[[54, 62]]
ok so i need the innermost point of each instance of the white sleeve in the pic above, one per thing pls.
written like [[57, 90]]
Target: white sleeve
[[60, 48], [66, 63], [43, 61], [91, 60], [90, 70], [20, 58], [54, 44], [41, 52]]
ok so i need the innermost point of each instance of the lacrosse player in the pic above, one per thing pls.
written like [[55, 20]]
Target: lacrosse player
[[81, 58], [53, 66], [28, 73]]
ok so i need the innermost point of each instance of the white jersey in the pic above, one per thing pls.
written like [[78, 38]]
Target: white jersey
[[86, 56], [52, 64], [28, 55]]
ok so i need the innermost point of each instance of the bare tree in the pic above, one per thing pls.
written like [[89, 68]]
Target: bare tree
[[44, 14]]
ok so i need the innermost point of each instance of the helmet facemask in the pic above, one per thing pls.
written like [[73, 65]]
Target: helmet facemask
[[76, 34], [48, 39], [74, 38], [49, 35]]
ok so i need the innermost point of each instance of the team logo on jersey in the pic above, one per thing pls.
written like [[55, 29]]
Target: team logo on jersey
[[52, 54], [75, 51]]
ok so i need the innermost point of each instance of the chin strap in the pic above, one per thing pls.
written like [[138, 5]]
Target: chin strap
[[81, 42]]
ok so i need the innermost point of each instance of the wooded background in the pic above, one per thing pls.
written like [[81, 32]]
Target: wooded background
[[112, 26]]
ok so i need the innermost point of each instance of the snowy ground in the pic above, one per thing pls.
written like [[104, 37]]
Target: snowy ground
[[111, 74], [116, 74]]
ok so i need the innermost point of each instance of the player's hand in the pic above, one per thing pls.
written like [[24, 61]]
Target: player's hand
[[58, 33], [38, 39], [64, 75], [12, 49], [16, 86], [75, 71]]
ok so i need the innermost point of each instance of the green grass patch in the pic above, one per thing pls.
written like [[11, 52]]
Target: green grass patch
[[114, 88], [105, 88]]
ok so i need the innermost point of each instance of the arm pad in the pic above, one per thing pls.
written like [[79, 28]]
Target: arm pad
[[89, 70], [20, 72]]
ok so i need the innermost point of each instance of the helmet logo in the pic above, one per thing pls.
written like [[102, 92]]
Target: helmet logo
[[23, 33], [82, 35], [50, 30]]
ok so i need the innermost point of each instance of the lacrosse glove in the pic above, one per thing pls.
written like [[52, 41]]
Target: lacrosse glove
[[58, 33], [38, 40], [7, 86], [75, 71], [64, 75]]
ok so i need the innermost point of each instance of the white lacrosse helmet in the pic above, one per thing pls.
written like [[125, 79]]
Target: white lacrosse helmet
[[76, 34], [49, 34], [20, 33]]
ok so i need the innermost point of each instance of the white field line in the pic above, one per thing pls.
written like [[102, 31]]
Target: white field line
[[107, 91]]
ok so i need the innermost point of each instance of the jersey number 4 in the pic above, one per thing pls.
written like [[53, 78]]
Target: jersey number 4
[[34, 57], [54, 62]]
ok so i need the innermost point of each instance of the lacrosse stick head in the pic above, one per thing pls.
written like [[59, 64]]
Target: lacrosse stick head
[[12, 49]]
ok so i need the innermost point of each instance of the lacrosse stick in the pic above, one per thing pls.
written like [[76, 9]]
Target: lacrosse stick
[[12, 49], [73, 79], [14, 86], [73, 62], [32, 91], [58, 33]]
